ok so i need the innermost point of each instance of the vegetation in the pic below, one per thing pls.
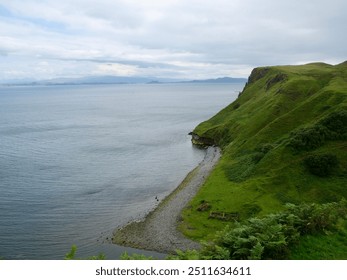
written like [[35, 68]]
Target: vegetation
[[322, 246], [283, 140], [321, 165], [332, 127], [275, 235], [278, 191], [72, 255], [294, 233], [126, 256]]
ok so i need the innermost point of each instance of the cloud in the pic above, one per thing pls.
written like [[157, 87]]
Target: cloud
[[173, 37], [3, 52], [116, 69]]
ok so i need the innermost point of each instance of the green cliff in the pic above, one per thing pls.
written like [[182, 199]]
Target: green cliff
[[284, 140]]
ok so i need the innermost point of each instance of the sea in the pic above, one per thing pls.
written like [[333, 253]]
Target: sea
[[79, 161]]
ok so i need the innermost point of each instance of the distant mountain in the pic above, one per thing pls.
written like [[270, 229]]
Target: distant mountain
[[103, 80], [17, 81], [94, 80], [223, 80], [91, 80], [137, 80]]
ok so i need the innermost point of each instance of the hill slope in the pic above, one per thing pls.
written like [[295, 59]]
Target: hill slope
[[283, 141]]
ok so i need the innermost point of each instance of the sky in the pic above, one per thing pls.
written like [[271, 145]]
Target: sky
[[183, 39]]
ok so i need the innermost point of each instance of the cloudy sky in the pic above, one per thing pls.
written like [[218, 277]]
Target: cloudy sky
[[192, 39]]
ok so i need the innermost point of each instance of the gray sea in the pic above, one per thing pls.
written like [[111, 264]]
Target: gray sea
[[76, 162]]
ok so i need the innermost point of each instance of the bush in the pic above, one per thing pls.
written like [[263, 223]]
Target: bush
[[72, 255], [336, 122], [321, 165], [315, 218], [308, 138], [272, 236], [257, 239], [332, 127]]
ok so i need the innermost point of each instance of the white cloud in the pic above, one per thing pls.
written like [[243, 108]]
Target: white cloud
[[172, 37], [116, 69]]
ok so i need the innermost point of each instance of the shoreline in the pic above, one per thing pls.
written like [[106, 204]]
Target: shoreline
[[158, 230]]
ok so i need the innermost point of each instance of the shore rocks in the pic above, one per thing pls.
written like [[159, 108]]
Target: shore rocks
[[158, 231]]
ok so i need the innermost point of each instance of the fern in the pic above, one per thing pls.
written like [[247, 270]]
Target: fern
[[272, 236]]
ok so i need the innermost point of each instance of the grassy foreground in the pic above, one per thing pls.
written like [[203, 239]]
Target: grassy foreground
[[284, 140]]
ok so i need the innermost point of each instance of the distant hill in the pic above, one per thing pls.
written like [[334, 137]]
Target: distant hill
[[220, 80], [284, 140], [93, 80], [105, 80]]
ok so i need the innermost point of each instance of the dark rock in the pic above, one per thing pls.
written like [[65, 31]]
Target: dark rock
[[276, 79], [257, 74], [201, 141]]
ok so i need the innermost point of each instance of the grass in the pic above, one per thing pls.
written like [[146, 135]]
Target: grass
[[248, 181], [332, 246]]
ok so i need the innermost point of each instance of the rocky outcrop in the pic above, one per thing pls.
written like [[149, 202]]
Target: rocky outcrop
[[202, 142], [280, 77], [257, 74]]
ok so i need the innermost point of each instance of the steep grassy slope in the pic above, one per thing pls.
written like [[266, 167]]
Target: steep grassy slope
[[284, 140]]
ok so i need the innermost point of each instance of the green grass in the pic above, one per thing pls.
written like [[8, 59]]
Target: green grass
[[276, 102], [329, 246]]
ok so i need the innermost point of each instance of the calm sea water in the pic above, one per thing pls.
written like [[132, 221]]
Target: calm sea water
[[78, 161]]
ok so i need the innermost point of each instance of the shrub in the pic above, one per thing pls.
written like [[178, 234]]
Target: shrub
[[336, 122], [321, 165], [308, 138], [315, 218], [256, 239], [261, 151], [236, 106], [332, 127], [272, 236], [72, 255]]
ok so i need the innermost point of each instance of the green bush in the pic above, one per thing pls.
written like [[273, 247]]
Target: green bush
[[332, 127], [336, 122], [270, 237], [308, 138], [316, 218], [256, 239], [72, 255], [321, 165]]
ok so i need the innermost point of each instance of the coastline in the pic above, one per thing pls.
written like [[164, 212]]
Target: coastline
[[158, 230]]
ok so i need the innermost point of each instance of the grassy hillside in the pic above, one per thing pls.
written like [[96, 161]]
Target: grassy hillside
[[284, 140]]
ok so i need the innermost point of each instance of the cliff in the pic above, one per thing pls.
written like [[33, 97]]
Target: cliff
[[284, 140]]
